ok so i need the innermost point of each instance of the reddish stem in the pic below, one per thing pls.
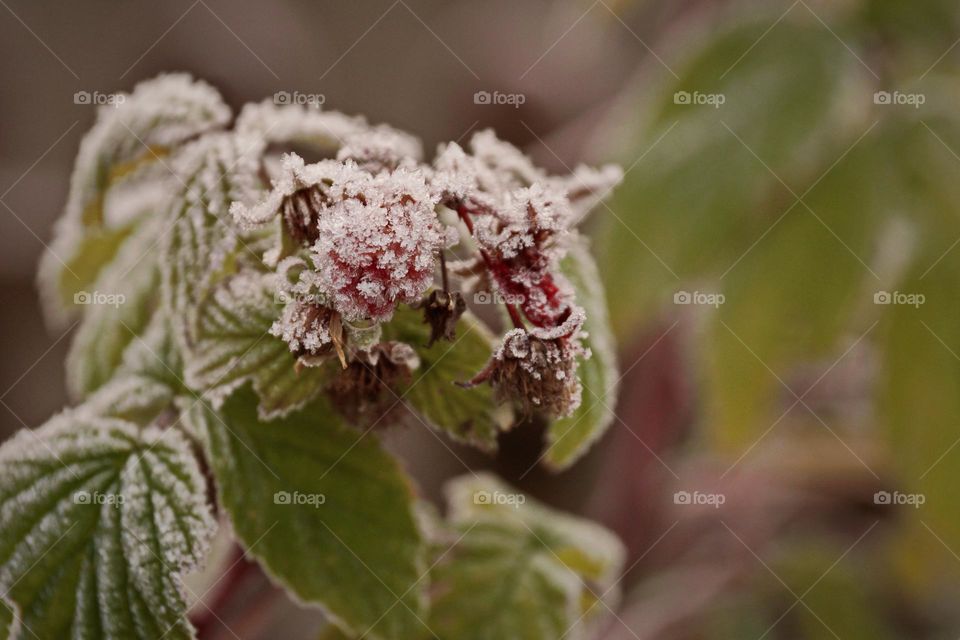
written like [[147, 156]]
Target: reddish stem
[[511, 309]]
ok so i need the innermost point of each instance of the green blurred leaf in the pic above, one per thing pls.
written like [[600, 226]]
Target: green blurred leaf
[[702, 184], [130, 283], [515, 569], [131, 135], [324, 509]]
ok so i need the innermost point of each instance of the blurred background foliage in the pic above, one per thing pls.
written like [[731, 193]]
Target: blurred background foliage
[[799, 199]]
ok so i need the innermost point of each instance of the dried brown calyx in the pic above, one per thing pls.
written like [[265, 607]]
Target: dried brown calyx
[[363, 391], [441, 310], [537, 369], [301, 212]]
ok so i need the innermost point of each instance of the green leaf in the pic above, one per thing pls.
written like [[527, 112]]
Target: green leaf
[[512, 568], [98, 521], [232, 344], [9, 623], [323, 508], [695, 195], [466, 415], [126, 141], [569, 438], [793, 299], [118, 308]]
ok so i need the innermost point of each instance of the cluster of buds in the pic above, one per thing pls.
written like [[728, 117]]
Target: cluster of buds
[[363, 233]]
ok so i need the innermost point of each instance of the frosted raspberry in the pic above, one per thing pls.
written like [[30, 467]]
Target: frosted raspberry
[[377, 242]]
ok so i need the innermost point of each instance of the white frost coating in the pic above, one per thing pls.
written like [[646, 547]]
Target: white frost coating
[[212, 173], [327, 131], [378, 241], [159, 114], [89, 483], [377, 235]]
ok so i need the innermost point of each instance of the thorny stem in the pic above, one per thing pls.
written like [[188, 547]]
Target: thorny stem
[[512, 310]]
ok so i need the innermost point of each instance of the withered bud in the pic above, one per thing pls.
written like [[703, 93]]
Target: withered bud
[[301, 211], [441, 310], [362, 391], [537, 369]]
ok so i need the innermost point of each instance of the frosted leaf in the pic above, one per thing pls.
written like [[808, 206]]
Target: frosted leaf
[[469, 416], [233, 344], [358, 554], [569, 438], [328, 132], [119, 305], [587, 187], [107, 517], [382, 148], [555, 563], [212, 173], [150, 122]]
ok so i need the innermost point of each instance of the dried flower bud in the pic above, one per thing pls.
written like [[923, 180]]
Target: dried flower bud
[[362, 391], [537, 369], [441, 310]]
